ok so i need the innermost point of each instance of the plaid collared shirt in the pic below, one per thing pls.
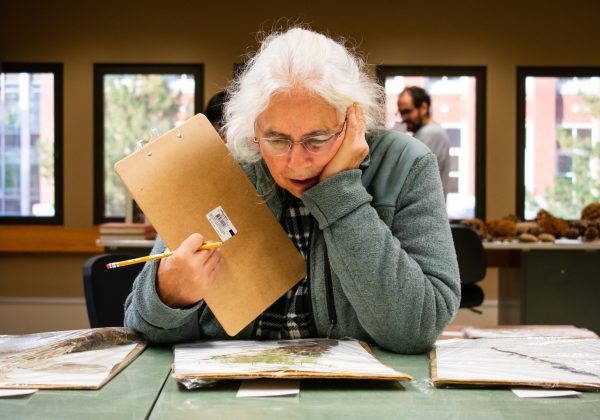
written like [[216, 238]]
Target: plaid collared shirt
[[290, 316]]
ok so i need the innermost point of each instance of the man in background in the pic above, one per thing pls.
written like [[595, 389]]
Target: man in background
[[414, 107]]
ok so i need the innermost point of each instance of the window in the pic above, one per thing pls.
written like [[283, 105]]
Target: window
[[458, 105], [31, 143], [131, 103], [558, 140]]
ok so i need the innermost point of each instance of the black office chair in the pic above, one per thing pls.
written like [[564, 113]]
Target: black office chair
[[471, 265], [106, 290]]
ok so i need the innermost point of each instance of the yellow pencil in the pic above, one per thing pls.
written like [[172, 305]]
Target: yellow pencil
[[208, 245]]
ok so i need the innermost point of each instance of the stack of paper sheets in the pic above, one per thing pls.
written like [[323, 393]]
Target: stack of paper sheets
[[566, 331], [303, 358], [534, 361], [78, 359]]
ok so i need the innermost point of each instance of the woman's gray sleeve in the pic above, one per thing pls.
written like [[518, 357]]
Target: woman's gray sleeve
[[148, 314], [403, 280]]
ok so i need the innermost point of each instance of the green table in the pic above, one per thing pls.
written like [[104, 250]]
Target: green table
[[138, 392], [372, 400], [129, 395]]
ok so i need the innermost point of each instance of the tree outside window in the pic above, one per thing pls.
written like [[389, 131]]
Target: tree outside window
[[138, 103], [561, 153], [30, 143]]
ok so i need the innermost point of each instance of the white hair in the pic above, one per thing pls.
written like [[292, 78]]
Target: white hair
[[297, 58]]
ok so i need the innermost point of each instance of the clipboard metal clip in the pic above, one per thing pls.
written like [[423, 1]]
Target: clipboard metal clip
[[154, 134]]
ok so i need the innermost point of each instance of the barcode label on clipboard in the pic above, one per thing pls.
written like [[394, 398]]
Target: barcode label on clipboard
[[221, 223]]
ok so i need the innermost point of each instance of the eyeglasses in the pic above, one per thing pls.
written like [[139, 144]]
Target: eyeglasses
[[404, 112], [280, 146]]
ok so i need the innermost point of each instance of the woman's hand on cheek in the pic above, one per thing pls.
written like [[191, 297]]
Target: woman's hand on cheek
[[354, 146]]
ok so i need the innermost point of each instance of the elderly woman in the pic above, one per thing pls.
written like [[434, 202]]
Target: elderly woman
[[363, 205]]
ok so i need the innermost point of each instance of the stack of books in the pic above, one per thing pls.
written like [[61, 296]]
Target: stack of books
[[126, 231]]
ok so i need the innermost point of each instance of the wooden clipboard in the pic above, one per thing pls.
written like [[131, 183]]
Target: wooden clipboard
[[187, 173]]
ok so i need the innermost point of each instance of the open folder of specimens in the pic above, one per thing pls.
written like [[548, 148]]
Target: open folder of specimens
[[77, 359], [298, 359]]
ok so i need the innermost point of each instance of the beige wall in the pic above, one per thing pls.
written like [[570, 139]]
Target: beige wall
[[499, 35]]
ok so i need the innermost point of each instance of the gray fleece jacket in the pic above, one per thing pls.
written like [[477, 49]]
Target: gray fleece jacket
[[382, 266]]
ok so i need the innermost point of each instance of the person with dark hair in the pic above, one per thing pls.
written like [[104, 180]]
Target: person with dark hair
[[214, 109], [414, 107]]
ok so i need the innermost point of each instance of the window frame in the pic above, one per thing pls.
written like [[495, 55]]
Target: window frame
[[102, 69], [537, 71], [56, 68], [480, 74]]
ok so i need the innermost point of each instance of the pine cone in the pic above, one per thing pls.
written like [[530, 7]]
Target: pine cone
[[591, 234], [572, 233], [591, 211], [580, 225], [552, 225], [501, 229]]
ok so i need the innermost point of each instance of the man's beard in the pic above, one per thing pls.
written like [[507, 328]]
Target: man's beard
[[415, 125]]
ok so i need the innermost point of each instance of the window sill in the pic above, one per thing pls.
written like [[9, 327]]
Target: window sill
[[49, 239]]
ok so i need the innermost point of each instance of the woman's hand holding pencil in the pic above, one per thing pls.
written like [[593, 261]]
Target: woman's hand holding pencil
[[184, 278], [186, 274], [205, 246]]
